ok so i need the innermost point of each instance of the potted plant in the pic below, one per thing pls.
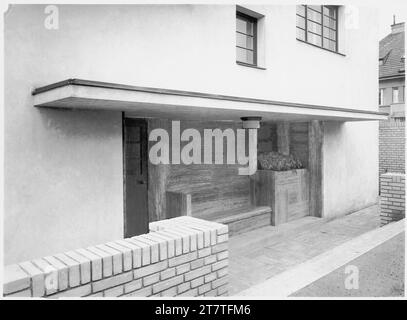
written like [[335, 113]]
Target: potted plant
[[281, 182]]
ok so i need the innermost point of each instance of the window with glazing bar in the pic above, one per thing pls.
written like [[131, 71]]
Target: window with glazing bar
[[318, 25], [246, 42]]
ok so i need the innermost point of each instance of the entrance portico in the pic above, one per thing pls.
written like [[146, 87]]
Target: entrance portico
[[212, 192]]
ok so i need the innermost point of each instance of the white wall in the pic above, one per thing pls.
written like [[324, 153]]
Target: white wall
[[351, 167], [63, 169], [193, 48]]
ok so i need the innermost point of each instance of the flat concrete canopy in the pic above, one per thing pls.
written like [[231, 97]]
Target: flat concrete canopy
[[183, 105]]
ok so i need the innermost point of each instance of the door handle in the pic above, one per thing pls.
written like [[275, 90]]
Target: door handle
[[140, 182]]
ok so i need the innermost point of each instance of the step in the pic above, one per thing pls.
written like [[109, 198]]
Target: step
[[243, 219]]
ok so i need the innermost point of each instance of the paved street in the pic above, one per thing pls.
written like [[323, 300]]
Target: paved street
[[381, 274], [263, 253]]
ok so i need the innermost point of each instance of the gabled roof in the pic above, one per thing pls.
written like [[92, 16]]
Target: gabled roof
[[392, 52]]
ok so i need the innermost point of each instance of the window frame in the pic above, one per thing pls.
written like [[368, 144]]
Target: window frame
[[253, 20], [306, 30]]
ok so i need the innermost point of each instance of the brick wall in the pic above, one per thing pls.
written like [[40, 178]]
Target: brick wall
[[392, 146], [392, 197], [183, 256]]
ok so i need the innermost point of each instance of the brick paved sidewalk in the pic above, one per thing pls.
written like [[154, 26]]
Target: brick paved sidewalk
[[257, 255]]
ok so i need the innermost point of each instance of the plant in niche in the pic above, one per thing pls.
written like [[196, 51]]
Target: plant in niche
[[278, 162]]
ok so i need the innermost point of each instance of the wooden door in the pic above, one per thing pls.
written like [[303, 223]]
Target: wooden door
[[135, 177]]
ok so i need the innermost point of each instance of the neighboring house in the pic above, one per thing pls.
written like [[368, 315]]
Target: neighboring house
[[76, 165], [392, 100]]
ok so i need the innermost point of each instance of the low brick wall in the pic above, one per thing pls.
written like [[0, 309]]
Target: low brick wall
[[392, 197], [183, 256]]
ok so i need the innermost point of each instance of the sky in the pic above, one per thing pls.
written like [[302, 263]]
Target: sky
[[386, 12]]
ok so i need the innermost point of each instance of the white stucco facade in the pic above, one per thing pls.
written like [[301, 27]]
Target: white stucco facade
[[64, 165]]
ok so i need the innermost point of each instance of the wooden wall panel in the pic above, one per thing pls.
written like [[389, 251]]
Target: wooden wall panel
[[212, 187], [285, 192], [316, 167], [157, 178], [299, 141], [283, 137], [267, 138]]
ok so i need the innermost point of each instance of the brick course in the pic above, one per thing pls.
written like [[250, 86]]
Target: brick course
[[182, 256], [392, 197]]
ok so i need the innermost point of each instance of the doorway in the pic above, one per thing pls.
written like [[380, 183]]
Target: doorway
[[135, 151]]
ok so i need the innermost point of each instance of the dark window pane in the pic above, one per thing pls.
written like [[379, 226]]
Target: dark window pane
[[301, 22], [314, 16], [329, 44], [244, 41], [300, 34], [241, 25], [244, 55], [332, 45], [329, 33], [314, 39], [301, 10], [250, 57], [316, 8], [244, 26], [330, 11], [314, 27], [331, 23]]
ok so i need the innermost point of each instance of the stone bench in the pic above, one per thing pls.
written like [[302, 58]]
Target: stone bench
[[231, 210]]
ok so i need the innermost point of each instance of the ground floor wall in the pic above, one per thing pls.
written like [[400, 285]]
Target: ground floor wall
[[64, 176], [350, 167], [63, 181]]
